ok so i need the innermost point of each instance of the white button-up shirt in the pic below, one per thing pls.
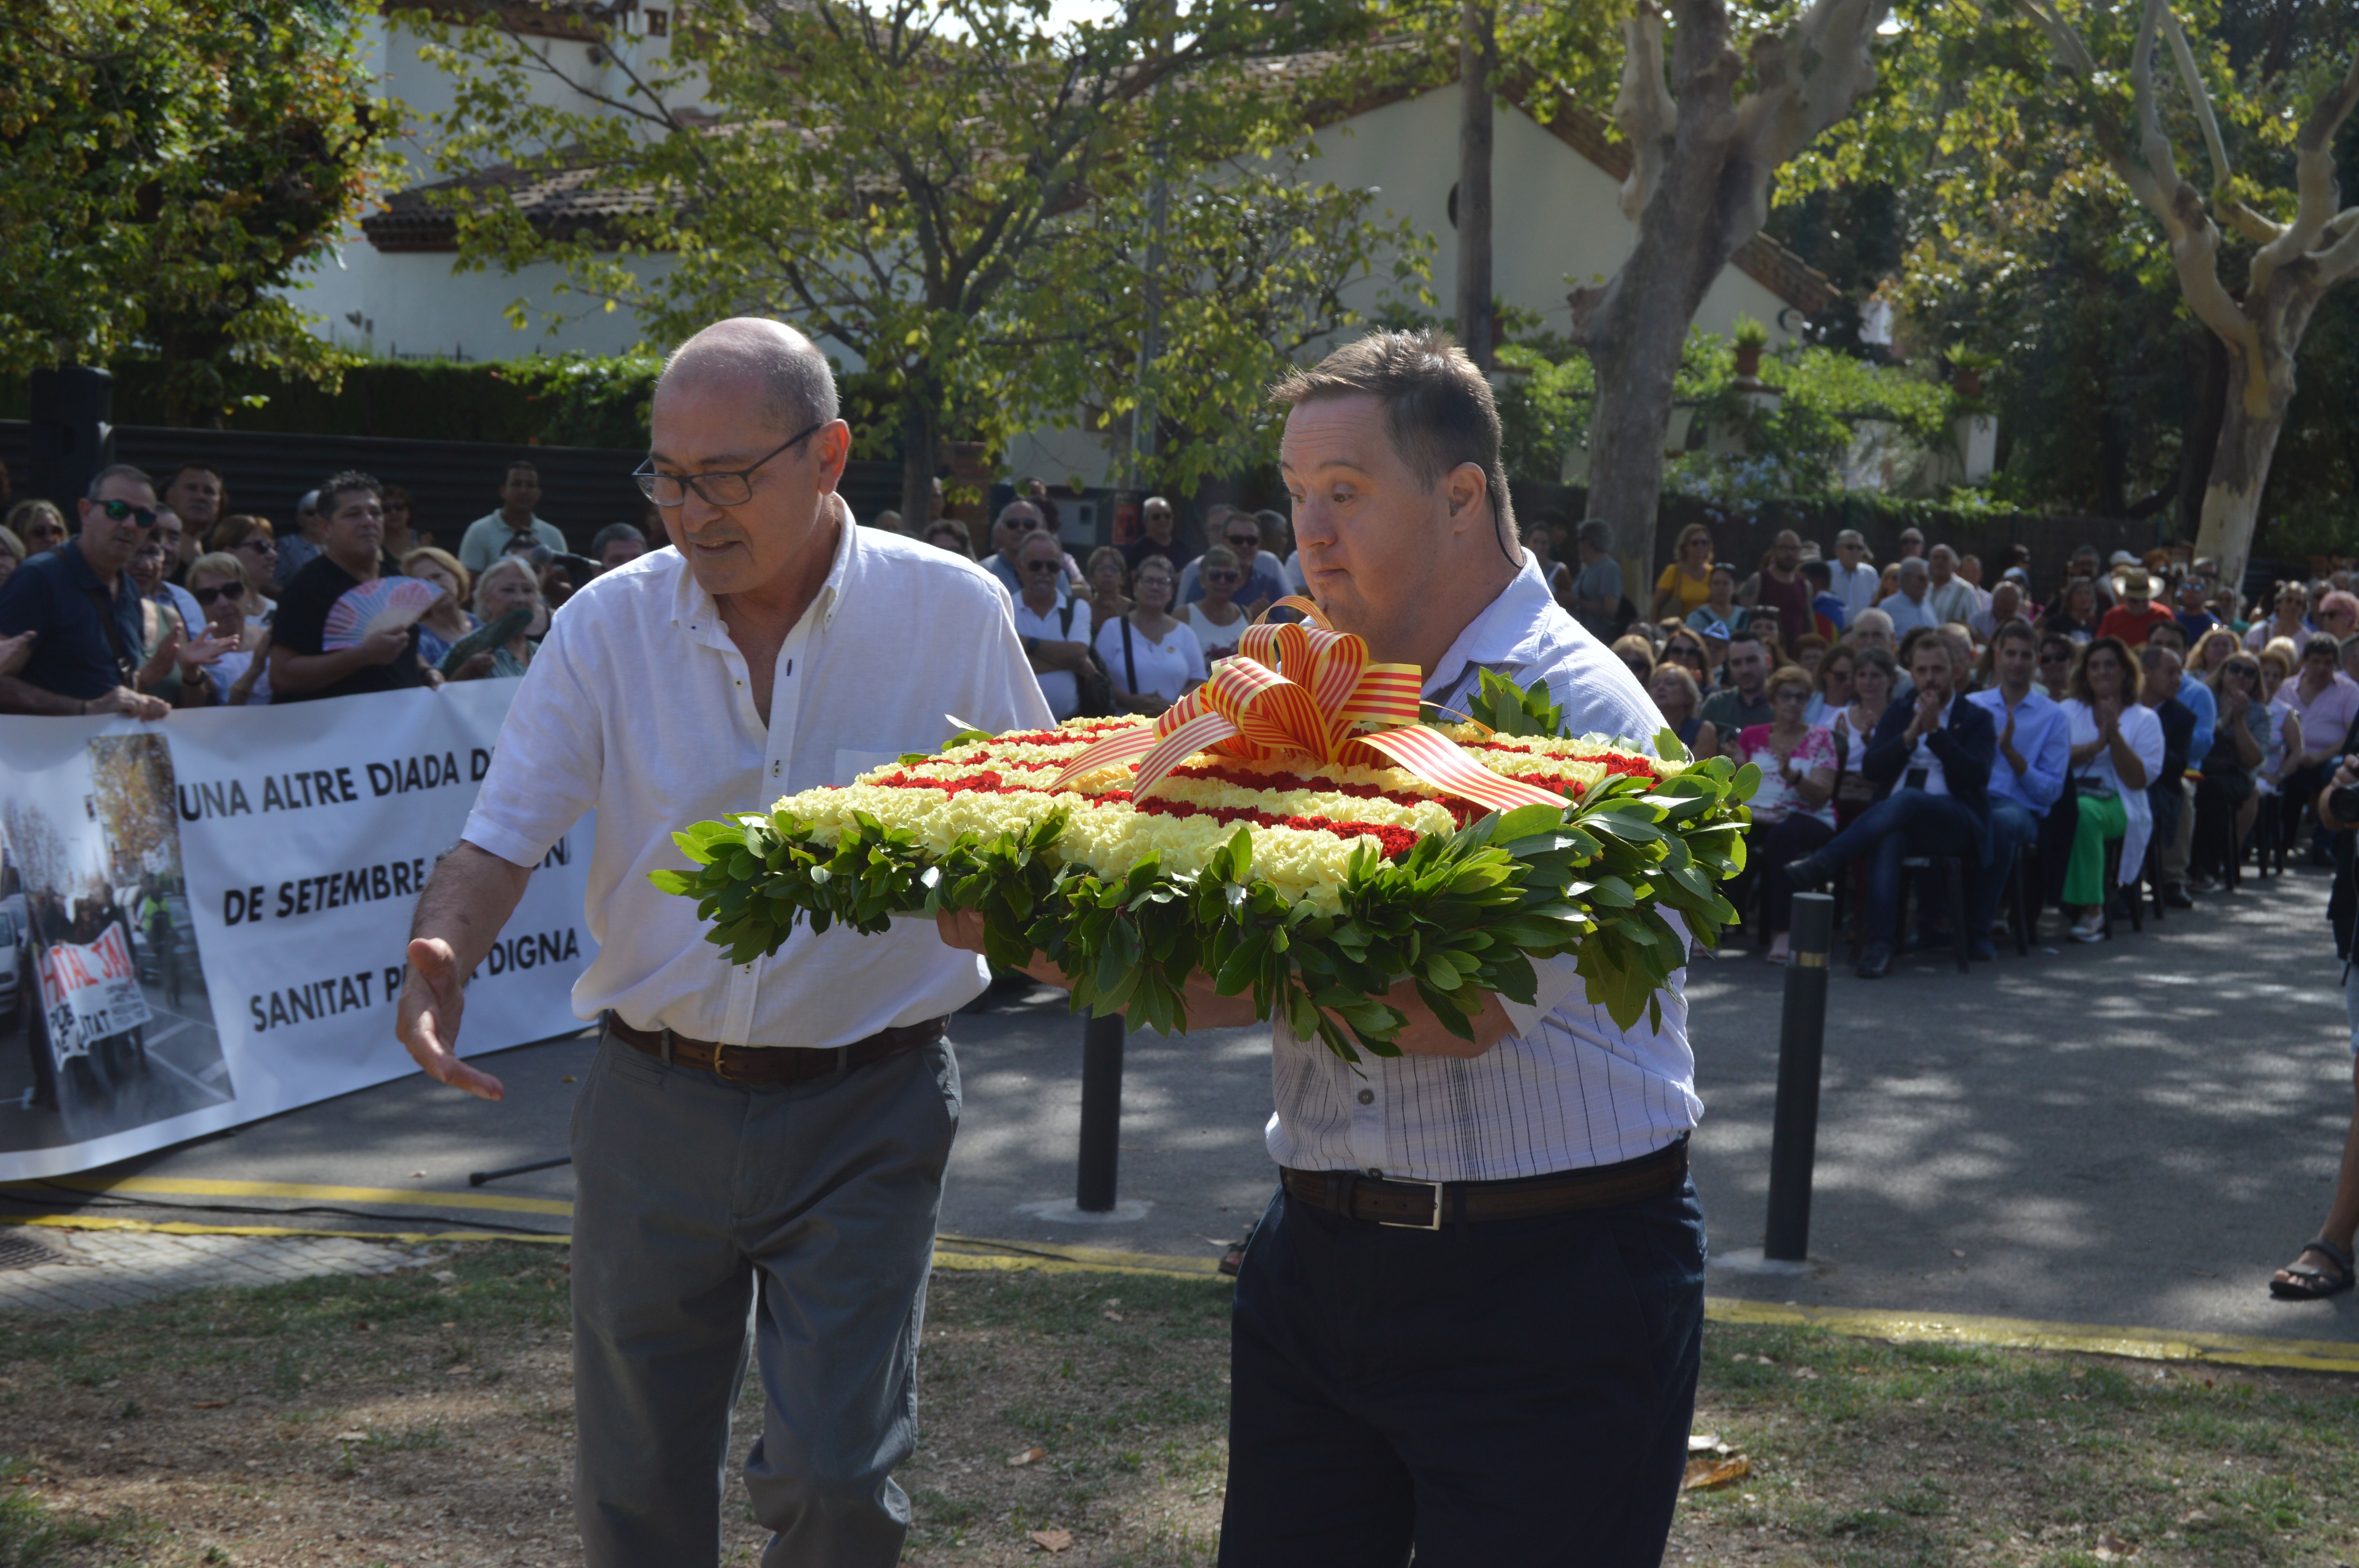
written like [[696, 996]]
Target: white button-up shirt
[[1570, 1088], [637, 706]]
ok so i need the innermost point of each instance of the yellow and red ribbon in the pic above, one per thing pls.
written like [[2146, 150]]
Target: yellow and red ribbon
[[1305, 689]]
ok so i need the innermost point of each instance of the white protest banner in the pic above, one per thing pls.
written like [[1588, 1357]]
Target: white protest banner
[[90, 993], [244, 879]]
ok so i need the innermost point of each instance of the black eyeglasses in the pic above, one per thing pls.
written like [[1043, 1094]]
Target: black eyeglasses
[[1245, 541], [1043, 566], [205, 596], [119, 510], [1221, 574], [727, 487], [260, 546]]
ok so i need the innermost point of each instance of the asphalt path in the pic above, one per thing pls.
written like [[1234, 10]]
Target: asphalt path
[[2129, 1133]]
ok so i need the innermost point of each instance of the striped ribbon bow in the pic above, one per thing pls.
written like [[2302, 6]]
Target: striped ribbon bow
[[1307, 690]]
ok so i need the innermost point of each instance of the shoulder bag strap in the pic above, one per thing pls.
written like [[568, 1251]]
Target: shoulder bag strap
[[124, 664], [1065, 620]]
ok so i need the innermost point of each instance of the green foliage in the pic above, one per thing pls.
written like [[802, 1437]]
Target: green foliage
[[1508, 710], [1460, 915], [171, 165], [985, 208]]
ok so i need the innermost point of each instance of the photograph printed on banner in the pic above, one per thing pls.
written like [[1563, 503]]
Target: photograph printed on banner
[[104, 1022]]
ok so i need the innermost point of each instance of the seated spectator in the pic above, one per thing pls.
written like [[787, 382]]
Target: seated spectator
[[248, 539], [2228, 794], [12, 554], [2135, 613], [2077, 614], [1809, 649], [2033, 752], [2338, 614], [1686, 649], [949, 534], [2007, 603], [2212, 652], [302, 668], [1153, 658], [90, 653], [447, 620], [2175, 823], [1638, 656], [1109, 583], [1873, 629], [510, 584], [2058, 653], [1911, 604], [1056, 635], [1744, 702], [1831, 683], [1793, 811], [1263, 581], [40, 525], [1686, 583], [2193, 618], [1951, 597], [400, 537], [1596, 596], [1932, 758], [2159, 684], [1675, 691], [2291, 609], [1719, 600], [2117, 750], [2324, 701], [1215, 619], [220, 586], [620, 544]]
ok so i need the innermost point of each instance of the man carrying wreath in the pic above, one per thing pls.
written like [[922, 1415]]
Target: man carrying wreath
[[766, 1138], [1470, 1321]]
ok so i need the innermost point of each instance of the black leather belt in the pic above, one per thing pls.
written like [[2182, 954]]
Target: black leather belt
[[1428, 1205], [775, 1065]]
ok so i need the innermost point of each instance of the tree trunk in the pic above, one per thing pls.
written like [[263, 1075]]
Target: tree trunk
[[2239, 474], [2208, 369], [1478, 47], [919, 430]]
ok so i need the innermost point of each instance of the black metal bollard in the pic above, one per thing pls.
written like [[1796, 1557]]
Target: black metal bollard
[[1093, 1188], [1801, 1045]]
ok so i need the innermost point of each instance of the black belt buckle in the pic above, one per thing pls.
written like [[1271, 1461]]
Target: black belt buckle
[[1433, 1224]]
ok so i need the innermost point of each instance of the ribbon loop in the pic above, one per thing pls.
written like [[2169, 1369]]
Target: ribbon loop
[[1304, 688]]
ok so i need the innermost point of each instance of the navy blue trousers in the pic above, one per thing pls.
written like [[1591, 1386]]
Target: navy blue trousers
[[1510, 1392], [1905, 822]]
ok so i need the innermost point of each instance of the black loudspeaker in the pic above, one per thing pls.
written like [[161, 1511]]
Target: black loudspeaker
[[72, 437]]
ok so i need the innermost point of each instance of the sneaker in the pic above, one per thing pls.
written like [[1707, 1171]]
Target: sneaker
[[1805, 874], [2089, 929]]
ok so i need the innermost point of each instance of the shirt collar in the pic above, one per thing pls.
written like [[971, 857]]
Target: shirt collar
[[77, 566], [696, 610], [1505, 636]]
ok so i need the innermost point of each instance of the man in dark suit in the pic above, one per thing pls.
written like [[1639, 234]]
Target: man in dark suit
[[1932, 758], [2165, 791]]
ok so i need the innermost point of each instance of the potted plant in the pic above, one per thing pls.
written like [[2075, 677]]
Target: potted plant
[[1750, 337], [1966, 368]]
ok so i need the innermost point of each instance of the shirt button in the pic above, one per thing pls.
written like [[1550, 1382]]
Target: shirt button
[[1367, 1096]]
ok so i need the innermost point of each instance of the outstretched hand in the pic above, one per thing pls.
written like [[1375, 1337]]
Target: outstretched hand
[[432, 1001]]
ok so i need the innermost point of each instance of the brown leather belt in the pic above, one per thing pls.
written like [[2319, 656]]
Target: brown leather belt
[[1428, 1205], [777, 1065]]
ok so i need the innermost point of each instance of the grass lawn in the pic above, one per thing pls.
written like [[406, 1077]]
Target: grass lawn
[[424, 1417]]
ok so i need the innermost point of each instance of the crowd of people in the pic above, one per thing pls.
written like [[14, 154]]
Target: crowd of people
[[2132, 727], [158, 595]]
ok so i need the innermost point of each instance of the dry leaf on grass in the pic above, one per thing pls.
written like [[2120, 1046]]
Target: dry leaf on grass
[[1053, 1540], [1030, 1456], [1704, 1475], [2112, 1548]]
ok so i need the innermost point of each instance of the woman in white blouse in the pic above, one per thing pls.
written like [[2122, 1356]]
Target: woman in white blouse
[[1216, 618], [1155, 660], [2116, 751]]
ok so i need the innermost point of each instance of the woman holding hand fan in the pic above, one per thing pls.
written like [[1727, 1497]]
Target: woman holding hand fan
[[446, 622], [508, 596]]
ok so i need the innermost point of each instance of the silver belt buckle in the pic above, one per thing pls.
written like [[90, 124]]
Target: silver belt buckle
[[1433, 1224]]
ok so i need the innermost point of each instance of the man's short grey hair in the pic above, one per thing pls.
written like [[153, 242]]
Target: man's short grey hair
[[1155, 500], [1882, 618], [1850, 536], [2155, 656], [796, 380], [612, 532], [129, 472], [1038, 521], [1596, 533], [1914, 566]]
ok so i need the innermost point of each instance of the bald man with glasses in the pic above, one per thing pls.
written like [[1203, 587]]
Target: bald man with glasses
[[760, 1142]]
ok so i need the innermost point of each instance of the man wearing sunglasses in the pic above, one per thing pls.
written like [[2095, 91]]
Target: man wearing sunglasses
[[1264, 579], [767, 1140], [90, 630]]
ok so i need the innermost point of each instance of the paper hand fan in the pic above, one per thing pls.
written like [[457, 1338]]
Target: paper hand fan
[[388, 604]]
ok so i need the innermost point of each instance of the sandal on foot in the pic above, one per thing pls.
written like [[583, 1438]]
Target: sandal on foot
[[2311, 1284]]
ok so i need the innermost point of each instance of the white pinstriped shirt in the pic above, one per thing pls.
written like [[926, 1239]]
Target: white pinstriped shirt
[[1569, 1089]]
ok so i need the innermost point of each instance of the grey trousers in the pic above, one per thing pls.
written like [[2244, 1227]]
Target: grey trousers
[[701, 1204]]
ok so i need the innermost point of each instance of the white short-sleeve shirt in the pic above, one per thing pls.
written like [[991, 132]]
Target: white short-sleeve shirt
[[1164, 668], [637, 706], [1062, 688]]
